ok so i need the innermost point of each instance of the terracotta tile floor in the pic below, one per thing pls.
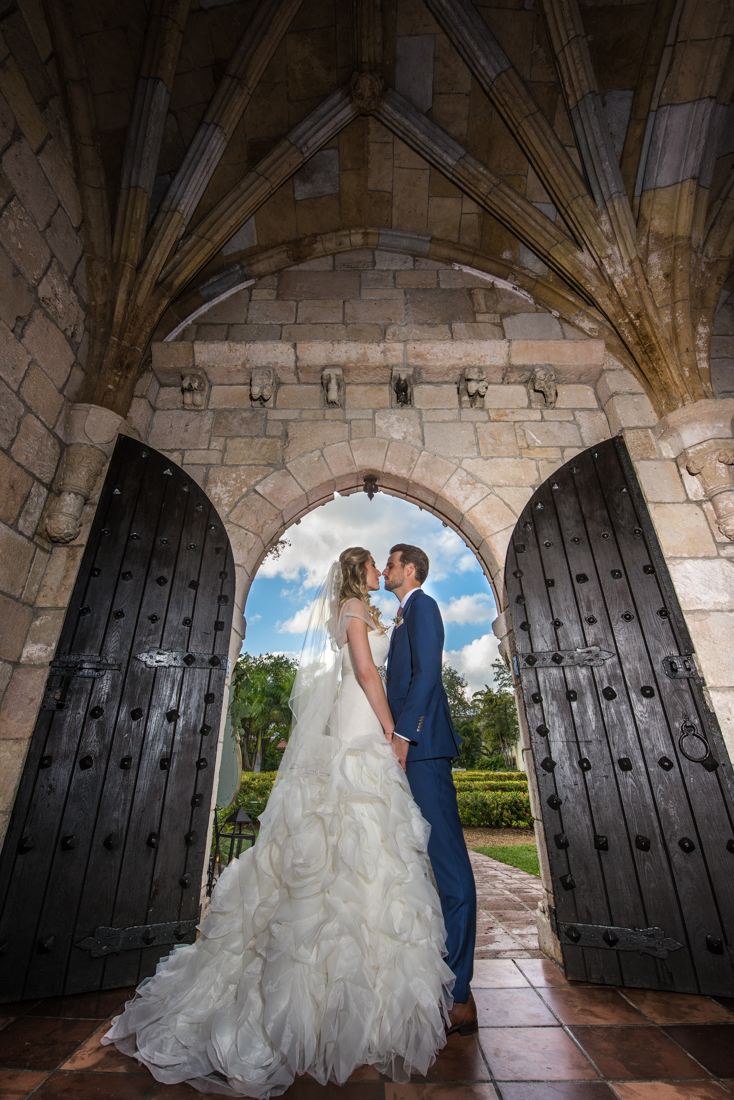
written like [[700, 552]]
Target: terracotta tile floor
[[541, 1037]]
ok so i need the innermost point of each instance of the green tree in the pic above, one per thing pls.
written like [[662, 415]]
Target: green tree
[[496, 715], [462, 715], [259, 710]]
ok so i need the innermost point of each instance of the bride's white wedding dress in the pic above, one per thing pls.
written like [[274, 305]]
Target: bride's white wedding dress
[[323, 949]]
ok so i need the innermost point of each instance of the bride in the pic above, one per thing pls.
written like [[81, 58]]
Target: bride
[[323, 950]]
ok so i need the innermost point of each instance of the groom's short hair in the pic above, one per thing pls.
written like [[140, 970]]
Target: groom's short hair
[[413, 555]]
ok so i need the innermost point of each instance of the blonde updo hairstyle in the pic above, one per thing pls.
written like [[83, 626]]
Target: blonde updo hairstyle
[[354, 581]]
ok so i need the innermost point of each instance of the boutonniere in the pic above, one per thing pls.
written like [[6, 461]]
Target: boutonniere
[[398, 621]]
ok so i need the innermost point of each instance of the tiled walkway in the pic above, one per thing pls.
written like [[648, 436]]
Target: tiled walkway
[[540, 1037]]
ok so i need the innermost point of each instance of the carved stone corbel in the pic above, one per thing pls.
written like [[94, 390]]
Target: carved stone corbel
[[473, 388], [712, 463], [262, 386], [90, 433], [402, 387], [193, 389], [332, 380], [542, 387]]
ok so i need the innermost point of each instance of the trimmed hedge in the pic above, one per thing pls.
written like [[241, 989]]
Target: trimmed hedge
[[497, 800]]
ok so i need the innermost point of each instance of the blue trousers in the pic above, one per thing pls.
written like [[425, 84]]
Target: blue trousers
[[434, 791]]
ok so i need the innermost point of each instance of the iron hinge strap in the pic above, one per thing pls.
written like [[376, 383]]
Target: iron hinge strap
[[111, 941], [63, 668], [167, 658], [591, 657], [646, 941]]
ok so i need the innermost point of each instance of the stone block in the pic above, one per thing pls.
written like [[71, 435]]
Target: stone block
[[139, 416], [463, 490], [319, 284], [271, 313], [47, 344], [247, 547], [16, 299], [379, 311], [326, 311], [661, 481], [16, 485], [29, 182], [712, 634], [311, 472], [438, 306], [723, 702], [435, 359], [225, 485], [497, 440], [340, 459], [280, 489], [506, 397], [640, 443], [299, 397], [23, 243], [516, 496], [552, 434], [476, 331], [629, 411], [367, 397], [369, 453], [16, 555], [42, 638], [400, 459], [41, 396], [572, 360], [172, 356], [593, 425], [532, 326], [54, 164], [251, 451], [20, 708], [188, 428], [14, 358], [239, 422], [12, 758], [450, 439], [415, 278], [360, 362], [16, 619], [705, 584], [402, 425], [11, 410], [64, 241], [32, 510], [612, 382], [505, 471], [576, 397], [313, 435], [683, 531], [401, 333], [436, 397], [432, 472], [256, 514], [490, 516], [36, 449], [222, 397]]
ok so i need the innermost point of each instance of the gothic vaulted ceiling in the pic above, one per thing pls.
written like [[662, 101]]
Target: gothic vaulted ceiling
[[581, 149]]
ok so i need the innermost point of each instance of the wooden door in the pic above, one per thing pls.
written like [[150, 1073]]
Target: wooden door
[[101, 869], [634, 780]]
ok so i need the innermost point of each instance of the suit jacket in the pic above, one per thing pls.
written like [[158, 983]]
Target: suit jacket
[[415, 690]]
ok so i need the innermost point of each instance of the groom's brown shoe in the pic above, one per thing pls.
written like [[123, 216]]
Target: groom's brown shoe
[[463, 1018]]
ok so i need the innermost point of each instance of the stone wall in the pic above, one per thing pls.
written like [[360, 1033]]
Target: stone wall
[[42, 352]]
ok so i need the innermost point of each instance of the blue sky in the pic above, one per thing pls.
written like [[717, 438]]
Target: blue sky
[[277, 606]]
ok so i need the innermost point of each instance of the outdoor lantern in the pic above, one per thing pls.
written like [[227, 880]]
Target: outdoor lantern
[[236, 834]]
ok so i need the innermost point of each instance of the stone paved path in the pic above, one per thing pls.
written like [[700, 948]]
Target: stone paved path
[[506, 902]]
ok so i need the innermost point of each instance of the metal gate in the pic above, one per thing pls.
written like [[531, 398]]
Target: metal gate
[[634, 780], [102, 866]]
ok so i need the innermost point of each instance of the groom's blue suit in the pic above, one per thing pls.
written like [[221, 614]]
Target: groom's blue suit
[[420, 708]]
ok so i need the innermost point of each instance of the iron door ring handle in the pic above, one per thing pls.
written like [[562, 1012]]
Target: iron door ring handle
[[688, 729]]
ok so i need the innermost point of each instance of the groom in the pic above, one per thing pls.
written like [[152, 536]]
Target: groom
[[425, 743]]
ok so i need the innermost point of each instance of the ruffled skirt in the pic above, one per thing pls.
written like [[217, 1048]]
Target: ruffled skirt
[[323, 949]]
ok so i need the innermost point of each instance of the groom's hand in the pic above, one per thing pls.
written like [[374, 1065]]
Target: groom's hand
[[401, 747]]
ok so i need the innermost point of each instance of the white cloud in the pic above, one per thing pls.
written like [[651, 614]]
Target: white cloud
[[297, 624], [377, 525], [477, 608], [474, 661]]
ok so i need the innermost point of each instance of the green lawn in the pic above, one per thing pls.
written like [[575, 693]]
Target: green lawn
[[524, 856]]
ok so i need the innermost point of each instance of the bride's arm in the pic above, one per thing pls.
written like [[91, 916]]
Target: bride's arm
[[367, 674]]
